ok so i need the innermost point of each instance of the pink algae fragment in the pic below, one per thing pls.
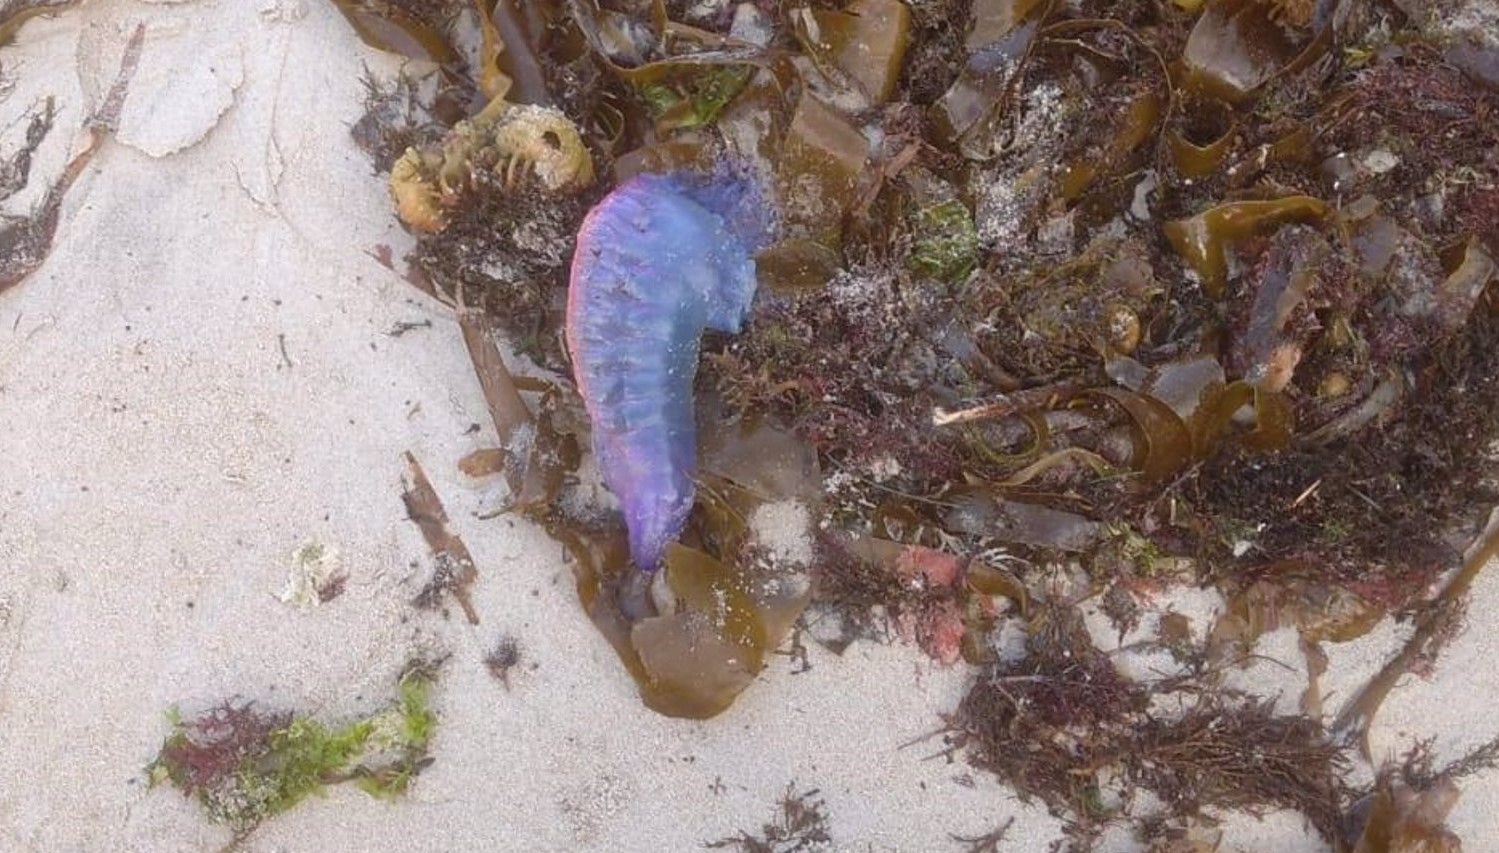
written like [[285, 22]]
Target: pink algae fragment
[[938, 625]]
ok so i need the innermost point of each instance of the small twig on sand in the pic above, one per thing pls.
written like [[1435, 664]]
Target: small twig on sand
[[986, 843], [455, 570]]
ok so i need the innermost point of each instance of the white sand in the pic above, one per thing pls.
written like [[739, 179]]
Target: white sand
[[199, 381]]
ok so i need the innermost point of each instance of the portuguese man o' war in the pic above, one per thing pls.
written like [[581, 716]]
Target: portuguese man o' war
[[658, 261]]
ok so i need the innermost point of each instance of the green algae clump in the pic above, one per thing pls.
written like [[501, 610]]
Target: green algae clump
[[244, 764]]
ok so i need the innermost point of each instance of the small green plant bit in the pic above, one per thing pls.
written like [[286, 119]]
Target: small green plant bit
[[947, 243], [244, 764]]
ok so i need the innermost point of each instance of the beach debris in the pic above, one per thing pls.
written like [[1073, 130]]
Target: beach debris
[[26, 241], [502, 658], [800, 825], [533, 454], [941, 602], [316, 576], [245, 764], [988, 842], [1060, 722], [453, 569]]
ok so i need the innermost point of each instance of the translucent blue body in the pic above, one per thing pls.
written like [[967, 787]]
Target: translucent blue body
[[658, 260]]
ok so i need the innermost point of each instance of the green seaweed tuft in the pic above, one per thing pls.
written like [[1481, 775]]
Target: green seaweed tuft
[[244, 764], [947, 242]]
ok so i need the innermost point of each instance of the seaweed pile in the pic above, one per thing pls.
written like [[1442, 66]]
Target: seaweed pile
[[1157, 291]]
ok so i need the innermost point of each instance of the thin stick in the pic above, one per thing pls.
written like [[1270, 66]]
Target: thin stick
[[455, 565]]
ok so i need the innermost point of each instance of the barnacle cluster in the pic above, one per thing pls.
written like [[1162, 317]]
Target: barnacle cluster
[[509, 141]]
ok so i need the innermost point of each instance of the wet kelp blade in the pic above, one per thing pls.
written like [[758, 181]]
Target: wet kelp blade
[[393, 31], [1165, 443], [821, 161], [508, 60], [770, 463], [1235, 48], [1136, 123], [719, 616], [987, 512], [865, 40], [699, 659], [984, 84]]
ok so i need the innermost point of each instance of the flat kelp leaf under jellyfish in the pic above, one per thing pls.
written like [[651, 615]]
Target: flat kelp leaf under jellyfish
[[660, 260], [722, 602]]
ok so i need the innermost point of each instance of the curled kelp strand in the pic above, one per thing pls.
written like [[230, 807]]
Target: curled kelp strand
[[1201, 142], [1068, 455], [1203, 240], [1221, 404]]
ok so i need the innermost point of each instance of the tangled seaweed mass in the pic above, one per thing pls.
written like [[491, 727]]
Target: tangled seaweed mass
[[659, 260], [1068, 305]]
